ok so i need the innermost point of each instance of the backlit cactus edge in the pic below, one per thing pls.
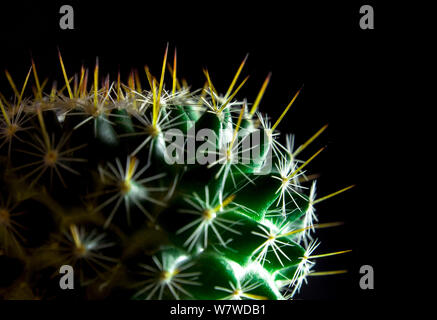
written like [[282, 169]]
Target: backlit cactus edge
[[85, 182]]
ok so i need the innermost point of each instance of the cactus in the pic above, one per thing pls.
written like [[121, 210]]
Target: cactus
[[87, 180]]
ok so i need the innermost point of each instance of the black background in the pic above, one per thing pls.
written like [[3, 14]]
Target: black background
[[344, 71]]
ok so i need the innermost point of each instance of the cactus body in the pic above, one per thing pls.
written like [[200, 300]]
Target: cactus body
[[86, 181]]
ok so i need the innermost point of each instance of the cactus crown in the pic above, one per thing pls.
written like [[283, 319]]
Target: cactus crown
[[89, 179]]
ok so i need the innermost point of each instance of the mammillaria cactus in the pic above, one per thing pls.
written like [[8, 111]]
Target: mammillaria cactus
[[165, 193]]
